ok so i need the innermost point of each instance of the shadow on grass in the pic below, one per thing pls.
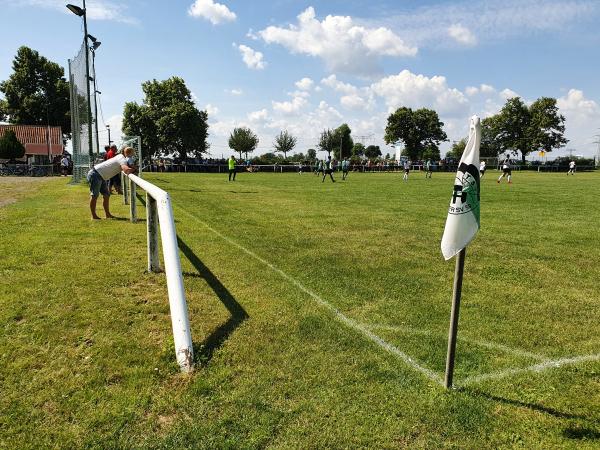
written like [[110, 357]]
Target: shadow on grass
[[203, 352], [244, 192], [534, 407]]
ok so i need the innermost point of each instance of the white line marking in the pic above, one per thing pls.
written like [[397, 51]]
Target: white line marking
[[338, 315], [492, 345], [551, 364]]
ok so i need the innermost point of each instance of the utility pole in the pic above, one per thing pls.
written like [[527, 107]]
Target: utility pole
[[108, 129]]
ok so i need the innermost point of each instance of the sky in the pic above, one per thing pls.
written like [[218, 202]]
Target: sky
[[304, 66]]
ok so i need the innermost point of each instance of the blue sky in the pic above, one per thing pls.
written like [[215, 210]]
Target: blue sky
[[306, 66]]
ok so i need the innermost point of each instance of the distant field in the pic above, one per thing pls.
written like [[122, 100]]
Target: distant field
[[319, 314]]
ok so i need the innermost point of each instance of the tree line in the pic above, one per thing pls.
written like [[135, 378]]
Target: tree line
[[36, 93]]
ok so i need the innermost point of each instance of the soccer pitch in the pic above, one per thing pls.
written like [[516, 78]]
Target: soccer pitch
[[319, 314]]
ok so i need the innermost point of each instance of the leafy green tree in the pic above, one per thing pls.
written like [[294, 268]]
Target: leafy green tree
[[418, 130], [328, 141], [432, 153], [36, 93], [10, 147], [243, 140], [518, 127], [358, 149], [311, 154], [345, 142], [547, 126], [168, 120], [512, 126], [458, 147], [489, 129], [284, 143], [373, 152]]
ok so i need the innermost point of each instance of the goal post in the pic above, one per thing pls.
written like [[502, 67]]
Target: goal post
[[159, 216]]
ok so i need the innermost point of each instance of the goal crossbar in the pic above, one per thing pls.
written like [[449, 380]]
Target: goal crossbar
[[159, 215]]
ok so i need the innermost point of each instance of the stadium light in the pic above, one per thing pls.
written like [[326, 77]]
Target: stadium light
[[76, 10], [81, 12], [95, 45]]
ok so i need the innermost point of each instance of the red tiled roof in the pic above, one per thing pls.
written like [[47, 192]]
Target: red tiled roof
[[35, 138]]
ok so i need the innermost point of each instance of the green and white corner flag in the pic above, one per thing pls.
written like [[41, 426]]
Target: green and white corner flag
[[463, 214]]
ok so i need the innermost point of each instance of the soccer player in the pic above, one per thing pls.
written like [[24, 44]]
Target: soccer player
[[571, 168], [328, 169], [231, 165], [506, 172], [481, 169], [428, 165], [406, 170], [320, 168], [101, 173], [345, 168]]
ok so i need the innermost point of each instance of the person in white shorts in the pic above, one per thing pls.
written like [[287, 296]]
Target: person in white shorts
[[406, 170], [101, 173], [481, 169], [571, 168]]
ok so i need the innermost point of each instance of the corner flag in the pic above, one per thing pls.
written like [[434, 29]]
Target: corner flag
[[463, 214]]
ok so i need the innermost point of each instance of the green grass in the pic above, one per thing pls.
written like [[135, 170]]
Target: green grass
[[86, 353]]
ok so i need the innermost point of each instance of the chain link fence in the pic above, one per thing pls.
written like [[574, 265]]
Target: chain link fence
[[82, 115]]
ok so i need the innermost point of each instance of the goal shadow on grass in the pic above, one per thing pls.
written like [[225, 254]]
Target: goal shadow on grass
[[204, 351]]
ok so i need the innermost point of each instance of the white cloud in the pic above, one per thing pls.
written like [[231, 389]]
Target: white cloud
[[96, 9], [292, 107], [487, 89], [234, 91], [338, 41], [483, 89], [471, 90], [258, 116], [507, 94], [211, 110], [339, 86], [462, 35], [216, 13], [489, 21], [417, 91], [252, 58], [582, 117], [304, 84], [353, 101]]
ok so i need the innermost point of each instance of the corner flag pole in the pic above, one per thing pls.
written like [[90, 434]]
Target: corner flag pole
[[453, 332], [462, 225]]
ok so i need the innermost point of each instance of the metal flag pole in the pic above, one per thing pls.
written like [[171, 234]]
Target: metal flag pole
[[453, 332]]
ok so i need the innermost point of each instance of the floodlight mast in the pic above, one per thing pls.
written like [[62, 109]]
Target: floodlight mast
[[81, 12]]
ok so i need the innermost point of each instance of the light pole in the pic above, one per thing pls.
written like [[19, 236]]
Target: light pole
[[82, 13], [108, 129], [95, 44]]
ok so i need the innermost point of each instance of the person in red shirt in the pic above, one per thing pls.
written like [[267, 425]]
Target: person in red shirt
[[110, 153]]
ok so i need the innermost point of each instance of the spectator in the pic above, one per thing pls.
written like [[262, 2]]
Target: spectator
[[101, 174], [64, 166]]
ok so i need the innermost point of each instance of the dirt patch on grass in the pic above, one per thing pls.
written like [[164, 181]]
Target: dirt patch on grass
[[14, 188]]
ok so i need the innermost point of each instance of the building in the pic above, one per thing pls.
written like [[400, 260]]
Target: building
[[41, 143]]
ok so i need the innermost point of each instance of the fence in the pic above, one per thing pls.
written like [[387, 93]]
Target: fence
[[84, 138], [159, 214]]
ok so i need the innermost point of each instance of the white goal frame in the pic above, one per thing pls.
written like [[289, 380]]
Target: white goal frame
[[159, 214]]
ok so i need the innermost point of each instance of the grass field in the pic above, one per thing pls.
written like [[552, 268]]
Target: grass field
[[319, 315]]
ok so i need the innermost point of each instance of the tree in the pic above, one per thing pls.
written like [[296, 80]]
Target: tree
[[311, 154], [358, 149], [458, 147], [489, 146], [418, 130], [512, 127], [547, 126], [36, 93], [284, 142], [432, 152], [518, 127], [168, 120], [10, 147], [328, 141], [372, 151], [243, 140], [345, 142]]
